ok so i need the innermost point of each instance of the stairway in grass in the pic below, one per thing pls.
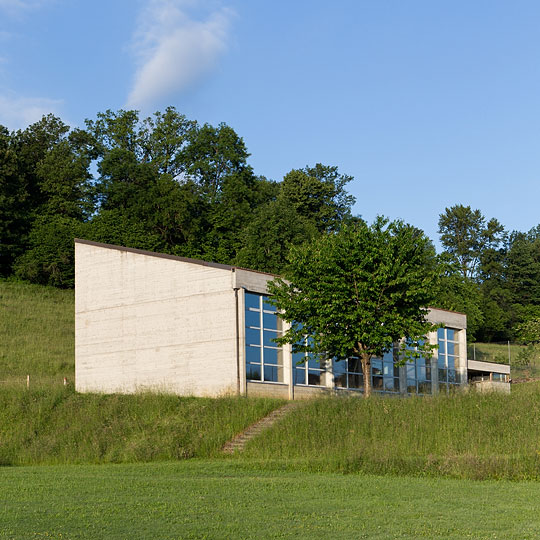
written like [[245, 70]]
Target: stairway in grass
[[237, 443]]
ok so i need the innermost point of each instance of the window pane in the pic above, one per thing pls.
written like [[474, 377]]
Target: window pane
[[273, 373], [341, 380], [451, 348], [452, 376], [450, 334], [270, 321], [442, 375], [253, 355], [253, 337], [252, 301], [356, 381], [391, 384], [270, 356], [298, 358], [388, 369], [442, 349], [389, 356], [253, 373], [299, 376], [268, 336], [451, 362], [253, 318], [421, 373], [354, 365], [442, 361], [339, 366], [313, 362], [376, 366], [440, 333], [411, 372], [267, 306], [377, 383], [314, 377]]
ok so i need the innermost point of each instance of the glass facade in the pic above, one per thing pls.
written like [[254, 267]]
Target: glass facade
[[265, 363], [307, 369], [264, 357], [384, 374], [448, 359]]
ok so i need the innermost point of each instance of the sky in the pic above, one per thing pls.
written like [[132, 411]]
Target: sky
[[427, 104]]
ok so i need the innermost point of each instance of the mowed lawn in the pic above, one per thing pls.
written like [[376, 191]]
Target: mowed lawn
[[223, 499]]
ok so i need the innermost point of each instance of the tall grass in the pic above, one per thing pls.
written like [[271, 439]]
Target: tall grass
[[36, 333], [57, 425], [468, 435]]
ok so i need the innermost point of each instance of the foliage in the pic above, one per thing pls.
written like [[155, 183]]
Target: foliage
[[50, 258], [457, 293], [466, 236], [357, 291]]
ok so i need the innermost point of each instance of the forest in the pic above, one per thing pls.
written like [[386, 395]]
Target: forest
[[169, 184]]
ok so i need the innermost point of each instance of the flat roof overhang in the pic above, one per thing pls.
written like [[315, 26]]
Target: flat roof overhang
[[488, 367]]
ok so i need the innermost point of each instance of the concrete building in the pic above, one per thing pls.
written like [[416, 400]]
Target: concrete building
[[149, 321]]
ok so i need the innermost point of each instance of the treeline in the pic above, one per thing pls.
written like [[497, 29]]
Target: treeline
[[491, 274], [166, 183], [162, 183]]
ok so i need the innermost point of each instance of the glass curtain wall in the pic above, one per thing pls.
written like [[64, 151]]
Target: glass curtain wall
[[448, 361], [264, 357], [384, 374]]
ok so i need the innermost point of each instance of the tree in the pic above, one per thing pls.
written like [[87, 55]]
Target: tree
[[318, 194], [465, 235], [457, 293], [357, 291]]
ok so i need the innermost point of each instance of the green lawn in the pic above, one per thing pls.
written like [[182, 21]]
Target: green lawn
[[202, 499]]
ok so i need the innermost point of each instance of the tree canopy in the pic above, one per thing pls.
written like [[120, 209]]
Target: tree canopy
[[357, 291]]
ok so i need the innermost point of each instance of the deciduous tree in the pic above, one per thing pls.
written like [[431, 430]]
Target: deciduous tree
[[357, 291]]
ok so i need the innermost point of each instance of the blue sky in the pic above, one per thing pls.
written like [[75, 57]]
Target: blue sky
[[425, 103]]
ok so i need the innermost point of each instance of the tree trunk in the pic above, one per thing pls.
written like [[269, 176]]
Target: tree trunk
[[366, 370]]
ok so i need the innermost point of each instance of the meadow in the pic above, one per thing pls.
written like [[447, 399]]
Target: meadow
[[207, 499]]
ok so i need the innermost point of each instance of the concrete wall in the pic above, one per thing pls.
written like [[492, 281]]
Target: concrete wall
[[152, 322]]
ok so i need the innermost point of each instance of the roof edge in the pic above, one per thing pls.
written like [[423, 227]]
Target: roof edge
[[167, 256]]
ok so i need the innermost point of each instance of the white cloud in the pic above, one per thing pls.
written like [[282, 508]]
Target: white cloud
[[17, 6], [174, 50], [20, 112]]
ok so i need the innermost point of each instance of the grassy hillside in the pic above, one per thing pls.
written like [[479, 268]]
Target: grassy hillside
[[36, 333], [57, 425], [467, 435]]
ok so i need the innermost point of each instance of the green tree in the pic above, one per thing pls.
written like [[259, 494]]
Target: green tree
[[318, 194], [14, 224], [458, 293], [357, 291], [466, 236]]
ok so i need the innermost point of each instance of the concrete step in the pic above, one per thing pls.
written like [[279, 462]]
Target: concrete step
[[237, 443]]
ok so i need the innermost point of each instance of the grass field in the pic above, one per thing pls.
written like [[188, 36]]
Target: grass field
[[36, 334], [201, 499]]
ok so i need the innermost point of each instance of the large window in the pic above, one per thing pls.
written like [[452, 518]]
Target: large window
[[384, 374], [264, 358], [307, 369], [448, 362]]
